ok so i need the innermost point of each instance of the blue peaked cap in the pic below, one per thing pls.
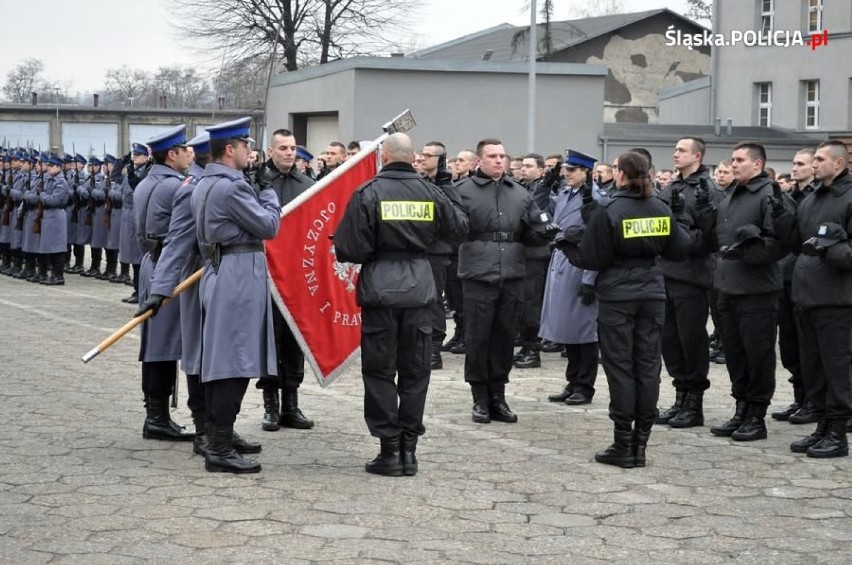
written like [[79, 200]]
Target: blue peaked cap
[[170, 138], [109, 159], [235, 129], [302, 153], [80, 159], [53, 159], [200, 143], [139, 149], [95, 161], [577, 159]]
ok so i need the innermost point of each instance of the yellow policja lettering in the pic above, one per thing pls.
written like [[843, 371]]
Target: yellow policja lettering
[[408, 211], [646, 227]]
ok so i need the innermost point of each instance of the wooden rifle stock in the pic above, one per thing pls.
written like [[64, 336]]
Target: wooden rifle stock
[[39, 205]]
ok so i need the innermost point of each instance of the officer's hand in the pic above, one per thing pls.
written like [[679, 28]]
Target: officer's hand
[[551, 178], [678, 202], [550, 230], [153, 304], [812, 248], [586, 193], [587, 294], [731, 253], [702, 194], [443, 177]]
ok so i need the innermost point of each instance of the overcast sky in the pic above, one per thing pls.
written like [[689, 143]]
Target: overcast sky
[[80, 42]]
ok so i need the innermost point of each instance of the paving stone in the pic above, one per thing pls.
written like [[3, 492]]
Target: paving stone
[[335, 531]]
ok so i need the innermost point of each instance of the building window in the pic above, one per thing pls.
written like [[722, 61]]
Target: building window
[[767, 16], [811, 104], [814, 16], [764, 104]]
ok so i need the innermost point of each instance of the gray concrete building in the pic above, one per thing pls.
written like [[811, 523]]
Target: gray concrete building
[[457, 102]]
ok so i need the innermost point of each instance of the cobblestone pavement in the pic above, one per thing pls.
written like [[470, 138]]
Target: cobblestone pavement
[[78, 484]]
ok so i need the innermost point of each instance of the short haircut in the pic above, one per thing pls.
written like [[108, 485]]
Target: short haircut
[[559, 158], [837, 149], [354, 146], [770, 172], [217, 147], [807, 151], [724, 163], [398, 148], [755, 150], [202, 159], [698, 145], [160, 157], [645, 153], [484, 142], [437, 144], [339, 145], [606, 166], [539, 160], [282, 132], [785, 176], [669, 171]]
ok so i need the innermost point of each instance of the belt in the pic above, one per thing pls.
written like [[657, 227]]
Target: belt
[[635, 262], [507, 236], [256, 247], [398, 255]]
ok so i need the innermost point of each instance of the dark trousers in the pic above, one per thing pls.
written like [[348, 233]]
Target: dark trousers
[[158, 378], [492, 313], [825, 340], [629, 334], [197, 400], [136, 267], [749, 323], [533, 295], [224, 399], [788, 340], [582, 370], [97, 254], [395, 343], [111, 260], [685, 342], [291, 359], [56, 263], [453, 291], [439, 317], [79, 254]]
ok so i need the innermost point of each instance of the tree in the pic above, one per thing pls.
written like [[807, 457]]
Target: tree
[[545, 41], [124, 86], [242, 83], [600, 8], [700, 10], [307, 31], [183, 87], [23, 80]]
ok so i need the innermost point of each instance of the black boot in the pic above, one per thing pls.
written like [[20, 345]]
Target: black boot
[[566, 392], [805, 415], [798, 399], [460, 348], [271, 408], [436, 363], [802, 445], [621, 452], [291, 416], [222, 458], [753, 427], [457, 336], [732, 425], [159, 423], [498, 408], [669, 413], [641, 433], [480, 412], [242, 445], [531, 360], [834, 443], [200, 442], [388, 462], [409, 459], [691, 413]]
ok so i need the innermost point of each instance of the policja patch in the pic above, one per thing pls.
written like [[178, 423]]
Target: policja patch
[[646, 227], [408, 211]]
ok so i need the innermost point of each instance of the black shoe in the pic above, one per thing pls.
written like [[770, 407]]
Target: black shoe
[[450, 343], [132, 299], [578, 399], [665, 415], [291, 415], [222, 457], [550, 347], [784, 415], [621, 452], [732, 425], [459, 348], [833, 444], [804, 415], [436, 363], [641, 433], [242, 445], [200, 443], [531, 360], [691, 413], [499, 410], [271, 409], [159, 424], [388, 462], [409, 459], [480, 413], [566, 392], [753, 428], [53, 281], [90, 273], [720, 358], [802, 445]]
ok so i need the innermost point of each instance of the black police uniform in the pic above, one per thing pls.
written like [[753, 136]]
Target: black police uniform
[[748, 286], [438, 254], [685, 343], [388, 225], [624, 237], [822, 292], [492, 266], [291, 359]]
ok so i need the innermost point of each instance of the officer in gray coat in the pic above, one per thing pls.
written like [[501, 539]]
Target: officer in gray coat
[[232, 220], [54, 225], [129, 248], [76, 177], [100, 226], [86, 215], [114, 204], [161, 341]]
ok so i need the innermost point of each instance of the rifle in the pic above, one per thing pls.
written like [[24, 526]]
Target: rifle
[[90, 203], [39, 204], [19, 221], [9, 204], [108, 201], [75, 198]]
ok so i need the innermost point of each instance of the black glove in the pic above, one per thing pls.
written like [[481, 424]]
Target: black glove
[[776, 201], [587, 294], [586, 192], [551, 178], [678, 202], [732, 253], [153, 304], [702, 194], [550, 230], [812, 248]]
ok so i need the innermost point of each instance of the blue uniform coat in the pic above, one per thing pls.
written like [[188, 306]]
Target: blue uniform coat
[[238, 339], [129, 250], [54, 222], [115, 196], [84, 232], [30, 241], [17, 193], [99, 232]]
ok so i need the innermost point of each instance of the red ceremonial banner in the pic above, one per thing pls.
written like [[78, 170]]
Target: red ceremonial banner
[[315, 292]]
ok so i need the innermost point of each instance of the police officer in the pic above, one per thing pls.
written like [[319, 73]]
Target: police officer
[[748, 279], [232, 220], [280, 173], [30, 234], [822, 292], [686, 344], [86, 215], [503, 216], [76, 177], [54, 227], [161, 341], [111, 216], [23, 266], [625, 235], [129, 248], [570, 312], [10, 163], [100, 225], [388, 226]]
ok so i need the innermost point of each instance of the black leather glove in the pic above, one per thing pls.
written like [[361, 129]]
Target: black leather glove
[[702, 194], [732, 253], [586, 192], [443, 177], [678, 202], [776, 201], [587, 294], [551, 178], [812, 248], [153, 304]]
